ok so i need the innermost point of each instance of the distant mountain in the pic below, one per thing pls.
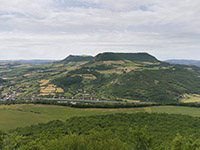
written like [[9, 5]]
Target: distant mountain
[[135, 76], [184, 62], [76, 58], [110, 76], [126, 56], [34, 61]]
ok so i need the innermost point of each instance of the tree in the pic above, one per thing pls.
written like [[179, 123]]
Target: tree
[[141, 140]]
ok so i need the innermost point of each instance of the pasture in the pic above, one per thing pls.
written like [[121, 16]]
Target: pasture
[[191, 98], [192, 111], [22, 115]]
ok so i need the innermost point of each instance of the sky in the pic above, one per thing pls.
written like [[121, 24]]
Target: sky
[[54, 29]]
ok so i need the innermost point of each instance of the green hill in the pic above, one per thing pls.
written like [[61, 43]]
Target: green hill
[[137, 76], [143, 57], [76, 58], [154, 85], [109, 76]]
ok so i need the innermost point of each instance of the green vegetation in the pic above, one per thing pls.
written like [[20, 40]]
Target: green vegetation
[[177, 110], [108, 76], [24, 80], [156, 120], [99, 128], [72, 58], [142, 57], [141, 131], [190, 98], [160, 86], [163, 85], [22, 115]]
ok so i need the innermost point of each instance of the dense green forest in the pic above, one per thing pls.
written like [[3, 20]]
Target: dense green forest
[[143, 57], [141, 131], [74, 58]]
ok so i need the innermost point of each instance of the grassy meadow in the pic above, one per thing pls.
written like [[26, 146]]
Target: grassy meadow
[[191, 98], [22, 115], [192, 111]]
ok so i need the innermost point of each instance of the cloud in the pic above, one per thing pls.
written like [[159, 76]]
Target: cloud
[[55, 28]]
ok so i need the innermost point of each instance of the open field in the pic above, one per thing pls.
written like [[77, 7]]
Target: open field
[[110, 71], [14, 116], [131, 101], [192, 111], [191, 98], [25, 115]]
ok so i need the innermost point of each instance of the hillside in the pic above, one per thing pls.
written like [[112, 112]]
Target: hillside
[[76, 58], [184, 62], [30, 80], [133, 77], [142, 57], [139, 131], [118, 76]]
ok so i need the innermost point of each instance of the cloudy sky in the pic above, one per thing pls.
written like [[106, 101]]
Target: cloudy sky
[[53, 29]]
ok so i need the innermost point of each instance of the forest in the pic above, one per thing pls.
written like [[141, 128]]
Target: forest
[[140, 131]]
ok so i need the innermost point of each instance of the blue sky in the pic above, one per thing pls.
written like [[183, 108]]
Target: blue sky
[[53, 29]]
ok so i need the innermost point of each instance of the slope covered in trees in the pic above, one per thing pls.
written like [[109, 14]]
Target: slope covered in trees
[[137, 76], [76, 58], [143, 57], [140, 131], [108, 76], [151, 85]]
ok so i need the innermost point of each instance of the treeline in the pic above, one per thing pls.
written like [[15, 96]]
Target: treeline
[[141, 57], [80, 104], [141, 131], [95, 104]]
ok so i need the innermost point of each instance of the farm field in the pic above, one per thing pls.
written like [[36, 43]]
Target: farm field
[[191, 98], [191, 111], [22, 115]]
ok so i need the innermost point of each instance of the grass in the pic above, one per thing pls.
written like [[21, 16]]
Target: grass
[[190, 98], [14, 116], [86, 76], [131, 101], [51, 89], [22, 115], [59, 90], [44, 82], [195, 112], [110, 71], [114, 62]]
